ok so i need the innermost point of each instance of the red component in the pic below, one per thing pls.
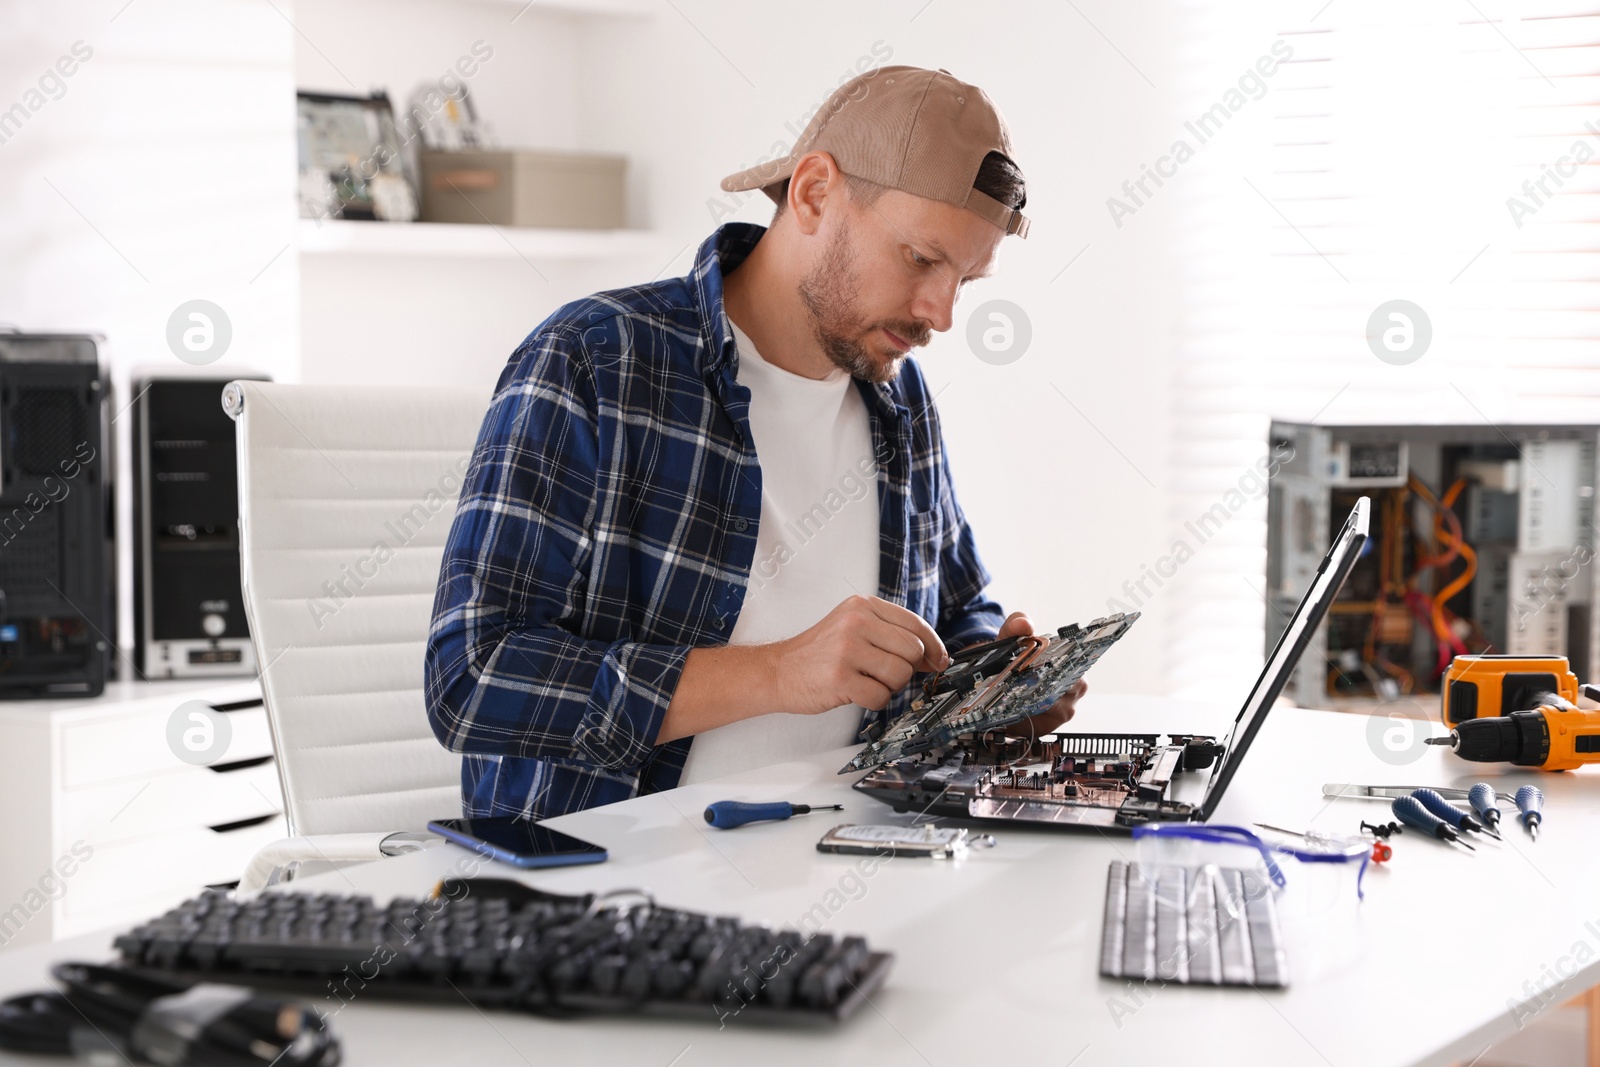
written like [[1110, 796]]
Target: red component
[[1381, 851]]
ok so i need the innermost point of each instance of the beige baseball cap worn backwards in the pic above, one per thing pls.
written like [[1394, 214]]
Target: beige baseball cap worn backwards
[[920, 131]]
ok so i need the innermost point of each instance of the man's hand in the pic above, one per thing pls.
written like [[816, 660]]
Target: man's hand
[[1018, 624], [863, 652]]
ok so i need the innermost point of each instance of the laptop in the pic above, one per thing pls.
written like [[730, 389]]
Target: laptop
[[951, 755]]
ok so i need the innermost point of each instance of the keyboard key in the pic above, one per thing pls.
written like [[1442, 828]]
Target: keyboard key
[[1205, 955], [1266, 942], [1171, 924], [1138, 943], [1112, 923], [1233, 930]]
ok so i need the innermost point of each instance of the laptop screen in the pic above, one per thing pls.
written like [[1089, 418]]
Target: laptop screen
[[1331, 573]]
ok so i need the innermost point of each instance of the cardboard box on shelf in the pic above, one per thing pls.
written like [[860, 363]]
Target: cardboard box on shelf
[[524, 187]]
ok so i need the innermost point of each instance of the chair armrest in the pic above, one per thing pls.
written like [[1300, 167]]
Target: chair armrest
[[328, 848]]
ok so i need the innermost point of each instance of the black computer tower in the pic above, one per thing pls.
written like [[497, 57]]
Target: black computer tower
[[188, 612], [57, 542]]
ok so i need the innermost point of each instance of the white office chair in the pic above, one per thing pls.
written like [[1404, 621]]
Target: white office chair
[[346, 495]]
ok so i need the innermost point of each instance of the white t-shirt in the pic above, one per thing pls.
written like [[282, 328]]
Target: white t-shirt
[[816, 544]]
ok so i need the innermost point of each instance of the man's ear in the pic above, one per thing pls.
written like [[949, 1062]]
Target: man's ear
[[816, 185]]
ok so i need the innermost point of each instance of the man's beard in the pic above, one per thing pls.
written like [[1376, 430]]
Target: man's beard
[[828, 291]]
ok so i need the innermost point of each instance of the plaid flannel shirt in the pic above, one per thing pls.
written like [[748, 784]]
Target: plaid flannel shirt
[[607, 525]]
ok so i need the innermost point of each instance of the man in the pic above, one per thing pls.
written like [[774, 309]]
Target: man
[[709, 524]]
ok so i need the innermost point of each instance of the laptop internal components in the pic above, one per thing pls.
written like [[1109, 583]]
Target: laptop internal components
[[993, 685], [1082, 779], [952, 755]]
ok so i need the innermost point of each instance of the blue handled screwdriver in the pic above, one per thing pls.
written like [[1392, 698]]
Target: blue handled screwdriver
[[1484, 801], [1443, 809], [1410, 811], [726, 814], [1530, 801]]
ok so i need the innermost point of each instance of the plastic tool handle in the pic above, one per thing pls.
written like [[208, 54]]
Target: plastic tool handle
[[1530, 801], [1483, 801], [1410, 811], [726, 814], [1447, 811]]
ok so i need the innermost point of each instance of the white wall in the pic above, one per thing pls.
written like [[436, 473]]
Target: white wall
[[1063, 514], [192, 105], [1067, 503], [152, 176]]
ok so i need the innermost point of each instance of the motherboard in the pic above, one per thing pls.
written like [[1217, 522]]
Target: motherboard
[[990, 686], [1066, 779]]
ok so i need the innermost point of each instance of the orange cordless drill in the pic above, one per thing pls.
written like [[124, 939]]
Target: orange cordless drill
[[1521, 710]]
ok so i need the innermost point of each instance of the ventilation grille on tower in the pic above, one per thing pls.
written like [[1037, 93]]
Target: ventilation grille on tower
[[47, 426], [30, 555]]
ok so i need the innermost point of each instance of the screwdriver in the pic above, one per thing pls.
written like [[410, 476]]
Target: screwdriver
[[1410, 811], [1447, 811], [1531, 803], [1482, 798], [726, 814]]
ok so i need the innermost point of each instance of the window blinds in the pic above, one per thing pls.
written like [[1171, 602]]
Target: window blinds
[[1440, 153]]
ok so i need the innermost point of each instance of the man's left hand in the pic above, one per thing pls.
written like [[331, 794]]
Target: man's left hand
[[1018, 624]]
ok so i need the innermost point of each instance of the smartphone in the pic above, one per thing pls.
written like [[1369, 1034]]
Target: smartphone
[[520, 842]]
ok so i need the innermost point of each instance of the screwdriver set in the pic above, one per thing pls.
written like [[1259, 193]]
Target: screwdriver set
[[1432, 810]]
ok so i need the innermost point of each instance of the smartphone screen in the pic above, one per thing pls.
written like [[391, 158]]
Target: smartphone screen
[[519, 841]]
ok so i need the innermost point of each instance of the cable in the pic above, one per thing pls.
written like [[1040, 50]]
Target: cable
[[1438, 545], [1458, 544], [1421, 489], [1431, 610], [37, 1023], [104, 1011], [1408, 682], [1390, 554]]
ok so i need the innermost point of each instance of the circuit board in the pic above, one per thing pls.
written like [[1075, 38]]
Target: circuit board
[[991, 686]]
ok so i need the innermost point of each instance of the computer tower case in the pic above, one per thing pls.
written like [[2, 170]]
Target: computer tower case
[[1483, 541], [188, 617], [57, 527]]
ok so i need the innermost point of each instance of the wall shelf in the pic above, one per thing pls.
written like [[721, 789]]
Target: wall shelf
[[339, 237]]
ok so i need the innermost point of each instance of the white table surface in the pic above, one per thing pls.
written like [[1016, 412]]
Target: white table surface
[[997, 955]]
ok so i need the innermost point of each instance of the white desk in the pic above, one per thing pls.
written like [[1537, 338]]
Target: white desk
[[997, 956]]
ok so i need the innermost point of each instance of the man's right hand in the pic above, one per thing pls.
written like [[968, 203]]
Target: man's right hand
[[863, 652]]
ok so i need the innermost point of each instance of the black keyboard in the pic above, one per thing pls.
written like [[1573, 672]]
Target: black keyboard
[[501, 944]]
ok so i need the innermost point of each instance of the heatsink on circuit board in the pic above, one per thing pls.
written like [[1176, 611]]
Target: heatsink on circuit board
[[993, 685]]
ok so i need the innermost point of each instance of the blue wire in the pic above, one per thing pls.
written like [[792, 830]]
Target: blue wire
[[1233, 835]]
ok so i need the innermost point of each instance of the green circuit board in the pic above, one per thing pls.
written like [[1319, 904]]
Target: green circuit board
[[991, 686]]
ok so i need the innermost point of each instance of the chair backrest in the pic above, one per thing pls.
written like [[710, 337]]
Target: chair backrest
[[346, 495]]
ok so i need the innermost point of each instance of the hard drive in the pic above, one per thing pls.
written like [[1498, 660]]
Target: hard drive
[[940, 842]]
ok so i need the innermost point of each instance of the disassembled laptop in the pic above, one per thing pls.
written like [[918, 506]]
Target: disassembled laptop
[[951, 754]]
